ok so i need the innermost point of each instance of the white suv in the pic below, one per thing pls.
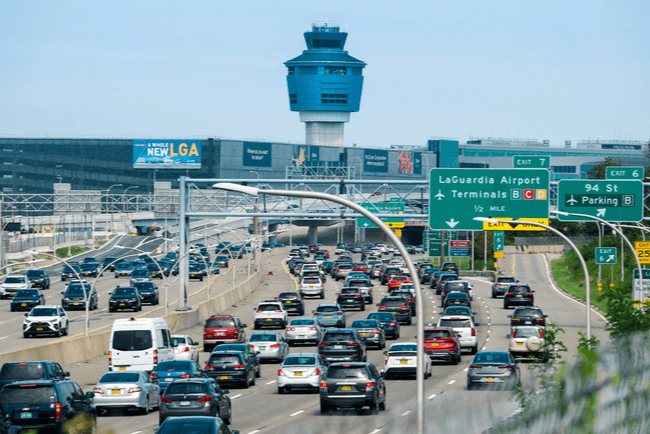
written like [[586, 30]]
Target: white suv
[[13, 283], [312, 286], [46, 320], [270, 313], [465, 328]]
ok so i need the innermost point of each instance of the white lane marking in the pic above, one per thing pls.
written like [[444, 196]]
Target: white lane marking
[[452, 382], [466, 369], [405, 413], [432, 396], [548, 273], [488, 330], [482, 348], [4, 337], [375, 431], [487, 339], [2, 322], [297, 413], [136, 432], [236, 396], [489, 323], [271, 382], [253, 432]]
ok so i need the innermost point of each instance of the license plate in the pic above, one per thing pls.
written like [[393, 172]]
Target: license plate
[[169, 379], [520, 344], [116, 392], [26, 415], [363, 334], [24, 304], [298, 374], [328, 316], [223, 377], [490, 379], [221, 333], [121, 304], [311, 287], [76, 304], [434, 345], [185, 402], [403, 361], [122, 368], [301, 337], [346, 388], [261, 348], [40, 329], [519, 295], [287, 302], [338, 347], [269, 319]]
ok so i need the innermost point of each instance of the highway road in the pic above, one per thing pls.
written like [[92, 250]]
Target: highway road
[[449, 405]]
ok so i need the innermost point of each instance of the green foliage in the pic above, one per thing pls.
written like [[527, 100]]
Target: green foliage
[[599, 170], [622, 316], [74, 251]]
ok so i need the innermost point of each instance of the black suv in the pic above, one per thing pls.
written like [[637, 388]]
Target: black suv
[[71, 271], [408, 295], [399, 306], [26, 299], [456, 299], [342, 345], [39, 278], [352, 385], [124, 297], [438, 283], [231, 367], [148, 292], [109, 263], [518, 295], [74, 297], [389, 272], [426, 274], [351, 298], [246, 349], [527, 316], [195, 397], [292, 302], [449, 267], [29, 371], [48, 405]]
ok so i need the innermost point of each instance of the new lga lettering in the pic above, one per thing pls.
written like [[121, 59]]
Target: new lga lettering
[[164, 149], [479, 180]]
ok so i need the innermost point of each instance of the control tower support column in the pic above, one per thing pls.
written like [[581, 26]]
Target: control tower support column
[[312, 235]]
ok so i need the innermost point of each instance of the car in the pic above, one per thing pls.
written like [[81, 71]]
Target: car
[[396, 281], [465, 329], [399, 306], [195, 397], [456, 299], [458, 311], [222, 261], [46, 320], [123, 269], [425, 277], [270, 313], [527, 341], [300, 371], [231, 367], [351, 298], [408, 294], [185, 348], [388, 321], [344, 345], [247, 350], [312, 286], [223, 329], [329, 315], [342, 270], [38, 278], [303, 330], [387, 274], [74, 296], [139, 275], [519, 295], [148, 291], [457, 286], [371, 331], [354, 385], [26, 299], [192, 424], [46, 405], [527, 316], [292, 301], [109, 263], [157, 270], [438, 282], [401, 359], [269, 345], [340, 248], [433, 280], [31, 370], [196, 271], [442, 344], [493, 368], [126, 390], [166, 372], [72, 271], [12, 284], [124, 297], [449, 267], [501, 284], [89, 269], [365, 285]]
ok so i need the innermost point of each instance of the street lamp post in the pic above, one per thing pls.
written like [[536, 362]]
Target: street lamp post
[[108, 190], [419, 307]]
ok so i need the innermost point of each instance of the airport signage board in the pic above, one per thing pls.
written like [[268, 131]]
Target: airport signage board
[[613, 201], [620, 172], [394, 206], [258, 154], [166, 154], [606, 255], [375, 161], [498, 241]]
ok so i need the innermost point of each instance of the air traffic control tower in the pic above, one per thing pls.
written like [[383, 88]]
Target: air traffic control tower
[[324, 84]]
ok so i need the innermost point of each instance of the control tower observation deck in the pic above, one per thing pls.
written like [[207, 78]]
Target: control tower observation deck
[[324, 84]]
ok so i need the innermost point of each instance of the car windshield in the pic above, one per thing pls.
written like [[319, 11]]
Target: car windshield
[[392, 302], [455, 287], [178, 341], [76, 289], [143, 272], [22, 371], [300, 360], [263, 337], [43, 311], [183, 388], [221, 258], [16, 279], [219, 322], [311, 281], [268, 307], [491, 358], [220, 359], [338, 336], [457, 296], [288, 296], [27, 293], [455, 322], [327, 309], [132, 340], [365, 323], [460, 310], [519, 288], [343, 372], [29, 394], [144, 286], [506, 280], [403, 347], [174, 365], [301, 322], [88, 266], [359, 283], [436, 334], [527, 313], [123, 266], [526, 333], [120, 377], [35, 273], [349, 291], [124, 291]]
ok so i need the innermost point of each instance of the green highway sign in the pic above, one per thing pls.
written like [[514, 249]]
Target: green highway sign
[[531, 161], [394, 206], [605, 255], [620, 172], [614, 201], [498, 241], [459, 195], [433, 241]]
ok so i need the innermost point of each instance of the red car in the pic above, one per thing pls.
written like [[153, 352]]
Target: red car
[[396, 281], [323, 252], [223, 329], [442, 344], [359, 266]]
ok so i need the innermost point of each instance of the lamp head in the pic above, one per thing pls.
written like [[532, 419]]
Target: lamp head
[[229, 186], [487, 220]]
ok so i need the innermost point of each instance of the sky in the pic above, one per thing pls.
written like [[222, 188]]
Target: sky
[[551, 70]]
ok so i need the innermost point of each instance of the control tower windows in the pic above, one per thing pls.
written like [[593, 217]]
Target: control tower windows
[[328, 43], [293, 98], [334, 98], [308, 70], [356, 71], [292, 69], [335, 70]]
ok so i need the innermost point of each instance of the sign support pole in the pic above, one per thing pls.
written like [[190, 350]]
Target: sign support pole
[[599, 245], [472, 251], [485, 250]]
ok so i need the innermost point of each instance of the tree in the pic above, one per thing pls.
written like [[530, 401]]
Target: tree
[[599, 171]]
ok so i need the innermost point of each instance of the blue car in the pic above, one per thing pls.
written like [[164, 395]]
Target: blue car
[[166, 372]]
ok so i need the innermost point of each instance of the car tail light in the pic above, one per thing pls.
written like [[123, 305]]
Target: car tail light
[[339, 313], [353, 344], [135, 390], [473, 331], [274, 346], [155, 357], [404, 307], [508, 293], [375, 332], [57, 411], [281, 373], [541, 334], [316, 313], [504, 367], [513, 333], [239, 367], [252, 346], [291, 329], [539, 320], [324, 344], [316, 372], [259, 311], [529, 294], [154, 376], [185, 376], [278, 310], [206, 398], [186, 350], [110, 359], [165, 400], [370, 384], [323, 384], [312, 329], [98, 390], [382, 308], [392, 323], [208, 367], [411, 300], [474, 367], [515, 320]]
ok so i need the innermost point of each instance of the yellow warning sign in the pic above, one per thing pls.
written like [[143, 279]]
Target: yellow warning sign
[[395, 224], [398, 232], [498, 254], [515, 225], [642, 249]]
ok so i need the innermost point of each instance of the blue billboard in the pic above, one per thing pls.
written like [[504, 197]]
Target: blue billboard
[[375, 161], [258, 154], [166, 154]]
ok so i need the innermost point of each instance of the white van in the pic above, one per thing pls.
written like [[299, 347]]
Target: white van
[[139, 344]]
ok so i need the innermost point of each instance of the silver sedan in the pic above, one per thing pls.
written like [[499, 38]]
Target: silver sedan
[[270, 345], [329, 315], [126, 390], [303, 330]]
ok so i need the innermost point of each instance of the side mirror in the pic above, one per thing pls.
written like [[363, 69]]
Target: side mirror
[[110, 293], [476, 324], [473, 313], [382, 374], [377, 304], [26, 314], [385, 352], [244, 325], [533, 290], [90, 395], [509, 316], [545, 316], [226, 391], [65, 374], [62, 292]]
